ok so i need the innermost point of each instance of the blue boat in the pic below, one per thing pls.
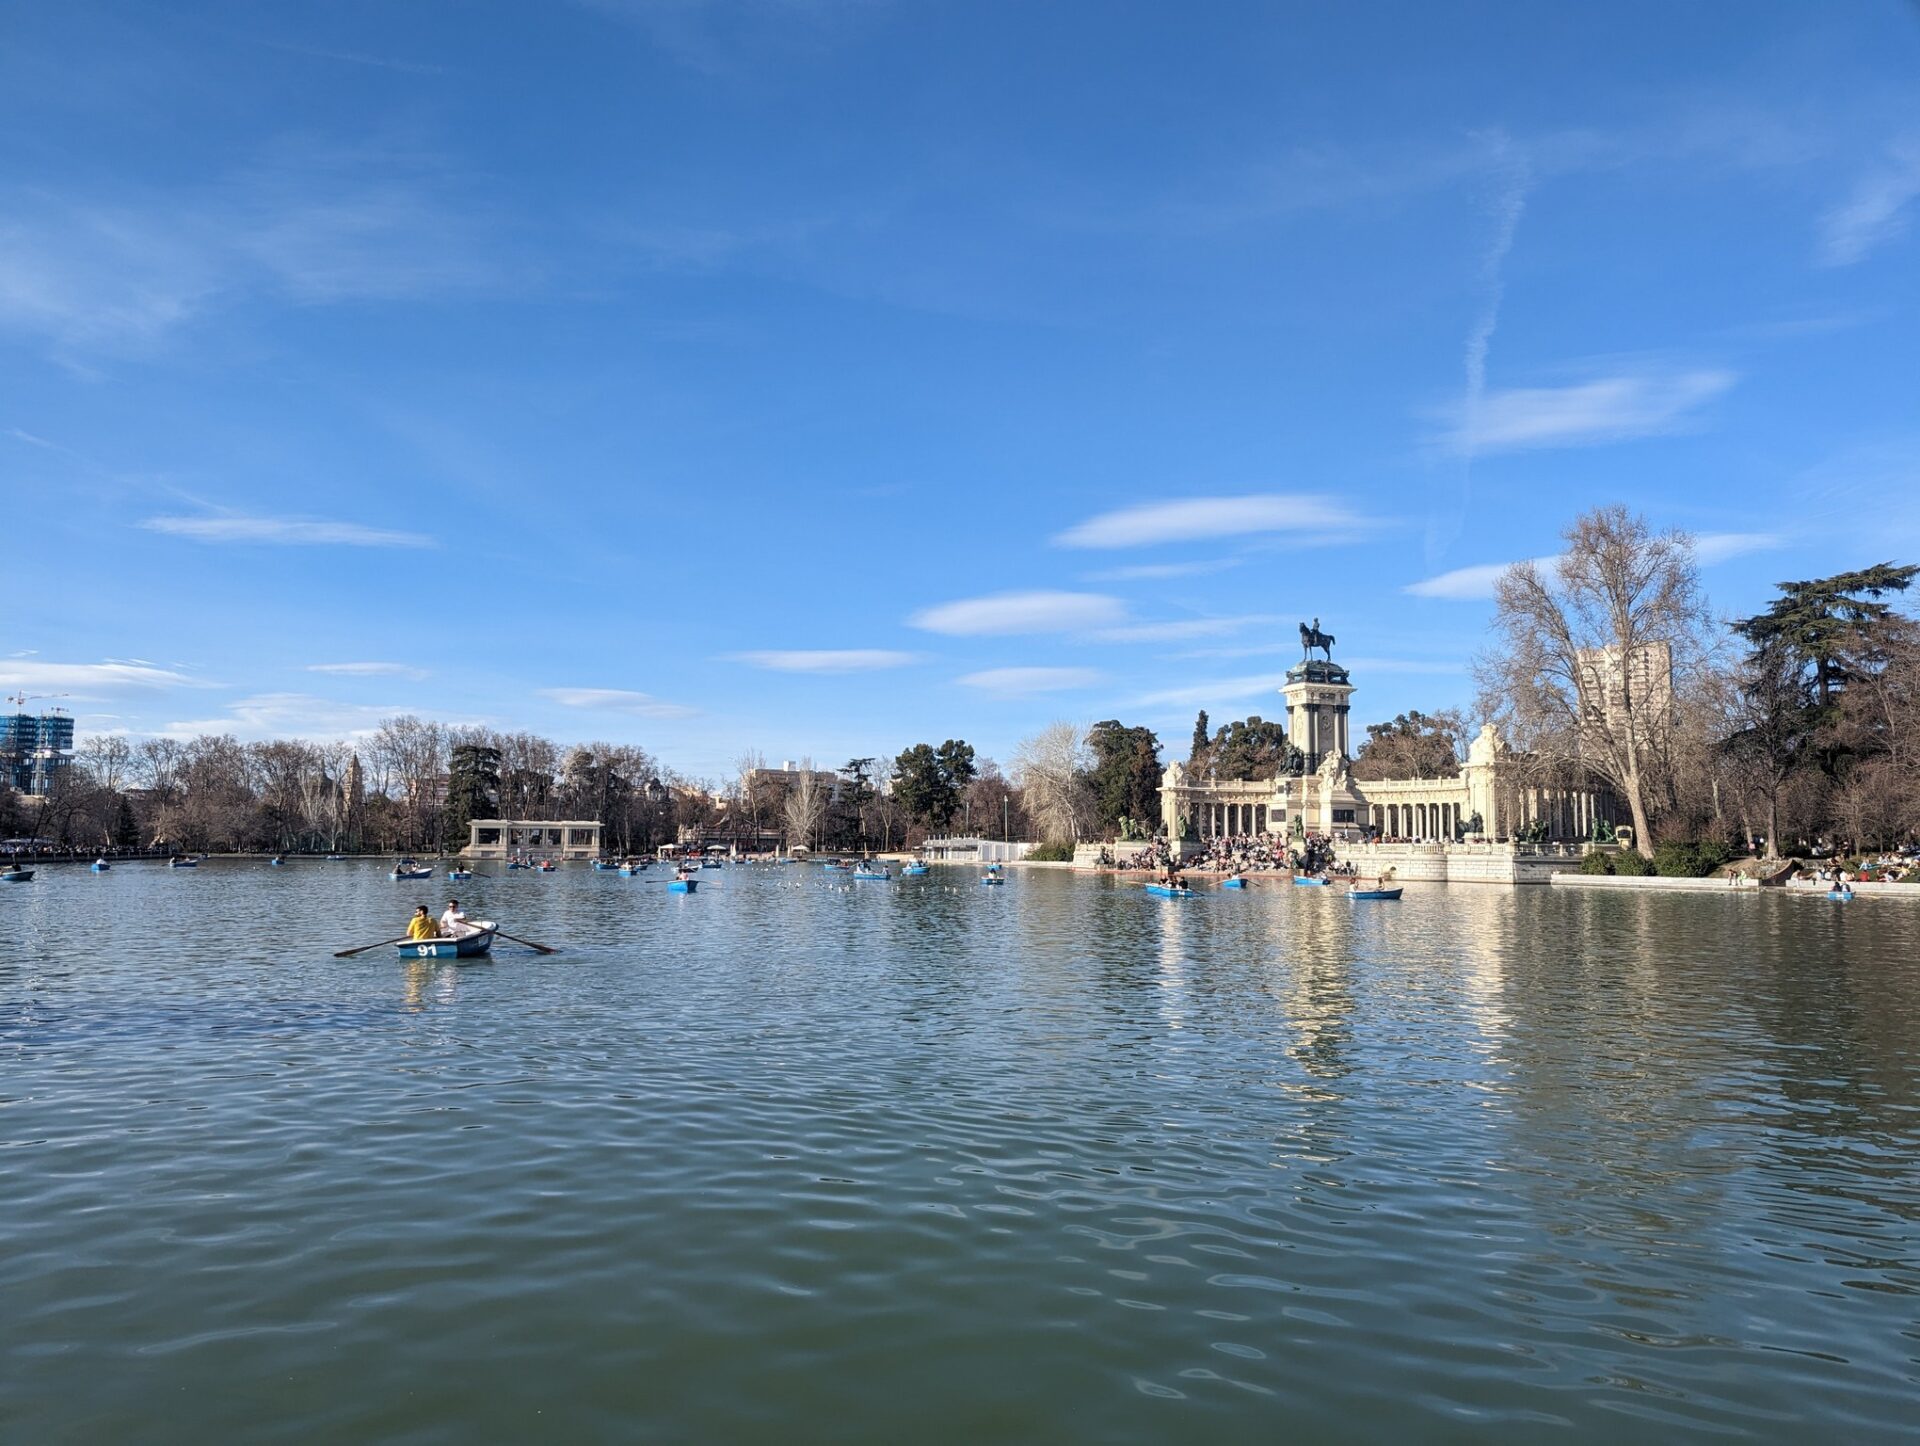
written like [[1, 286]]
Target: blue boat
[[683, 886], [16, 876], [1308, 881], [1840, 898], [991, 880], [183, 863], [712, 863], [632, 871], [467, 946], [403, 872], [275, 862], [99, 866], [1168, 891], [336, 859], [1233, 883], [601, 866], [913, 871], [1388, 894], [459, 876], [879, 877]]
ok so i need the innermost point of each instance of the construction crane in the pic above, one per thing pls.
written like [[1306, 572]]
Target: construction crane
[[20, 700]]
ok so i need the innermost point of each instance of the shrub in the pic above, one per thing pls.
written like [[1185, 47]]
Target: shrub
[[1678, 860], [1629, 864], [1052, 853], [1596, 863]]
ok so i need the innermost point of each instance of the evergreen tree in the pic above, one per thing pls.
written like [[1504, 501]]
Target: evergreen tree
[[1199, 749], [1125, 780], [473, 791]]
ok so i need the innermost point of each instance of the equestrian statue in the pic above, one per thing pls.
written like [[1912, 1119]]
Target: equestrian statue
[[1311, 638]]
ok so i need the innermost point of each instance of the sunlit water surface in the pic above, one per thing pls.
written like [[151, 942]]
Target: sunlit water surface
[[928, 1162]]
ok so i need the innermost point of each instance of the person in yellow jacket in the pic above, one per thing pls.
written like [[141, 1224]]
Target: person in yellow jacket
[[421, 925]]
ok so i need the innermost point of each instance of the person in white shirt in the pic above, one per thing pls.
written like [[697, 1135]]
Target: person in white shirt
[[453, 923]]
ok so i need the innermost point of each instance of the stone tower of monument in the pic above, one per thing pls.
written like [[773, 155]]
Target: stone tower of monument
[[1317, 690]]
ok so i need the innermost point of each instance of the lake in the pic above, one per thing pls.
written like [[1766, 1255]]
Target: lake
[[798, 1159]]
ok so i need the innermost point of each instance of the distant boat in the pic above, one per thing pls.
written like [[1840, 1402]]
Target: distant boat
[[913, 871], [1387, 894], [183, 863], [601, 866], [1168, 891], [459, 876], [1310, 881], [1233, 883], [99, 866], [989, 880], [876, 875], [632, 871], [336, 858], [712, 863], [683, 886], [410, 871], [467, 946], [1834, 894], [16, 876], [275, 862]]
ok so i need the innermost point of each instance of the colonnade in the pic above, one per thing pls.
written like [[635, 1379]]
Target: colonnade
[[1232, 820], [1421, 822]]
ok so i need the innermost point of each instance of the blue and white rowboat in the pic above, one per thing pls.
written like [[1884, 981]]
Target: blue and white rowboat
[[467, 946], [683, 886], [1167, 891]]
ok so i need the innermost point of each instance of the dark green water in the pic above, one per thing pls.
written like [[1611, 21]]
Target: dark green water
[[928, 1162]]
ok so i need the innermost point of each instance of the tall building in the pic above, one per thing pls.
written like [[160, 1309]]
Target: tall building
[[1644, 681], [35, 751]]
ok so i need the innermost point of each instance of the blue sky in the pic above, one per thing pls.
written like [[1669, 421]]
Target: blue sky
[[822, 376]]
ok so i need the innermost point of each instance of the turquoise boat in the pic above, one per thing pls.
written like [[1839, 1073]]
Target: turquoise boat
[[403, 872], [1834, 894], [991, 880], [467, 946], [683, 886], [1307, 881], [1167, 891], [276, 862], [631, 871], [459, 876], [913, 871], [1387, 894], [99, 866], [881, 877], [1233, 883]]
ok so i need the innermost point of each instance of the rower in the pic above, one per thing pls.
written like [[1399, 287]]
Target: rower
[[421, 925], [453, 922]]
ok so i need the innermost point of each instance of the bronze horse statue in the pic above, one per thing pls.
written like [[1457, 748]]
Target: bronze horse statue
[[1312, 637]]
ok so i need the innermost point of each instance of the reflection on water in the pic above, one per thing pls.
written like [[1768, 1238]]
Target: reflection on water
[[934, 1162]]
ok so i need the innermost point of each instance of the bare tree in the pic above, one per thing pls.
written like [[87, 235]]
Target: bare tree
[[1587, 646], [1051, 769], [806, 805]]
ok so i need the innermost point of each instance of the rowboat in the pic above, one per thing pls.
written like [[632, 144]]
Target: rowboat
[[683, 886], [403, 872], [183, 863], [601, 866], [99, 866], [712, 863], [878, 876], [544, 867], [1373, 893], [991, 880], [913, 871], [1168, 891], [466, 946], [513, 864], [1838, 897], [336, 859], [459, 876], [629, 871], [16, 876], [1308, 881], [1233, 883], [275, 863]]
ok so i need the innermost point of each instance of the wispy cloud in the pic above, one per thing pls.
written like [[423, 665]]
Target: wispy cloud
[[1876, 211], [1466, 584], [1509, 204], [1179, 628], [617, 700], [1608, 409], [1022, 682], [1715, 547], [283, 532], [119, 271], [95, 679], [1193, 518], [353, 57], [291, 715], [1022, 612], [824, 660], [369, 670]]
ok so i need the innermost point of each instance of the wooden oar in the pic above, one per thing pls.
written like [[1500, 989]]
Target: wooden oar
[[537, 948], [349, 953]]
